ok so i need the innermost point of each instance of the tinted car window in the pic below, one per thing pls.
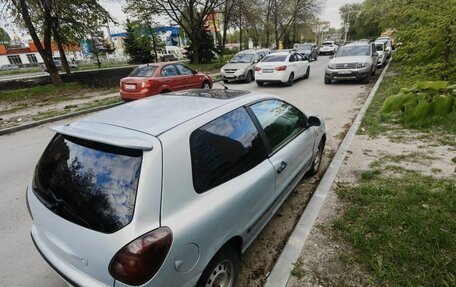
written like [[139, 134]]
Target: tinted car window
[[379, 47], [143, 71], [169, 71], [280, 121], [184, 70], [275, 58], [224, 148], [90, 184]]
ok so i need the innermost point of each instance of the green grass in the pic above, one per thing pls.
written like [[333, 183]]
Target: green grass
[[211, 68], [20, 71], [400, 231], [38, 92]]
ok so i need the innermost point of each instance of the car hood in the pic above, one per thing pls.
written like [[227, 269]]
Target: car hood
[[351, 59], [236, 65]]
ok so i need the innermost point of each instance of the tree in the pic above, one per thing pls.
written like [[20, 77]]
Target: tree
[[206, 49], [4, 37], [190, 16], [137, 44]]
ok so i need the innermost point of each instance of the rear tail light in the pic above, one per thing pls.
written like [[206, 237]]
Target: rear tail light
[[281, 68], [146, 84], [138, 261], [257, 69]]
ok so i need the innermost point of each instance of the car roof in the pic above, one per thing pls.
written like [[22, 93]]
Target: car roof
[[158, 114]]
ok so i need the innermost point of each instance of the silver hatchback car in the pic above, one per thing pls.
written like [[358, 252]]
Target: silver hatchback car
[[169, 190]]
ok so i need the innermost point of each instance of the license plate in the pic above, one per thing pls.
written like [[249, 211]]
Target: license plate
[[130, 87], [344, 72], [268, 70]]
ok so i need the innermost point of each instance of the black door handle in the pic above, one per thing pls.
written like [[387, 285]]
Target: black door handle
[[282, 166]]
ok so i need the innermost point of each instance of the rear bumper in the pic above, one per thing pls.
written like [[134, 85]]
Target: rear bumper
[[130, 96], [272, 77], [69, 274]]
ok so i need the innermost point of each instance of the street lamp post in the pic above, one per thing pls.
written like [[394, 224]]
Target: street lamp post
[[347, 23]]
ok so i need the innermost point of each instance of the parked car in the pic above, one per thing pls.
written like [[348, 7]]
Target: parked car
[[171, 190], [282, 67], [309, 50], [9, 67], [242, 66], [157, 78], [168, 58], [59, 66], [328, 47], [389, 45], [355, 61], [381, 50]]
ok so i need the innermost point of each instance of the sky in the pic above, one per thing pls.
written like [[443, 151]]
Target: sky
[[330, 12]]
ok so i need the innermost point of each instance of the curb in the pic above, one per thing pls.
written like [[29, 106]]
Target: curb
[[282, 269], [56, 118]]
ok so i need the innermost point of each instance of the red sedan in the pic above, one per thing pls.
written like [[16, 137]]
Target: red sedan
[[156, 78]]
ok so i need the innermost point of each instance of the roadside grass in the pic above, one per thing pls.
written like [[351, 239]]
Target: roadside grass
[[211, 68], [402, 230], [20, 71], [38, 92], [376, 123]]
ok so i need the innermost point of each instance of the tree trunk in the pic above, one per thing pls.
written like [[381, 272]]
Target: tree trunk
[[63, 58], [195, 55], [46, 50]]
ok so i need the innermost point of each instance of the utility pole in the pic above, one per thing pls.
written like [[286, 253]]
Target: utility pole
[[347, 23]]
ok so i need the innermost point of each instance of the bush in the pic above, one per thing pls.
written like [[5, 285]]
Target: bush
[[422, 103]]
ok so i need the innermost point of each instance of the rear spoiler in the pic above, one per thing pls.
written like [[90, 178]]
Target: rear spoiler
[[107, 134]]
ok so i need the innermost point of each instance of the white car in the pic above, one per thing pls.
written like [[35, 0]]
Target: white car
[[282, 67], [328, 47], [382, 53]]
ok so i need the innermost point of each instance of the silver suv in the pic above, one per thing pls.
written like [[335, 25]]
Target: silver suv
[[354, 61], [169, 190], [242, 66]]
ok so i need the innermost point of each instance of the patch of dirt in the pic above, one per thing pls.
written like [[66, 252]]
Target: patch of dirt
[[29, 113], [323, 262]]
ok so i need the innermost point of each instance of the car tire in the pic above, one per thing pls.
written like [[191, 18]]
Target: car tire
[[317, 160], [367, 79], [327, 80], [307, 74], [249, 77], [206, 85], [222, 270], [374, 71], [165, 91], [290, 80], [226, 81], [260, 83]]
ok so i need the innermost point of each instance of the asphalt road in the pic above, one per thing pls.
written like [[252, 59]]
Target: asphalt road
[[21, 264]]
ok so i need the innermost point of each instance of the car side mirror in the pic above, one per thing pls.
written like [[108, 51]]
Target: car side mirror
[[314, 121]]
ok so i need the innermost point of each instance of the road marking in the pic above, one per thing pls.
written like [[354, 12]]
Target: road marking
[[281, 272]]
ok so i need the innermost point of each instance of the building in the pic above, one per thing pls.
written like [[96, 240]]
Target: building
[[28, 55]]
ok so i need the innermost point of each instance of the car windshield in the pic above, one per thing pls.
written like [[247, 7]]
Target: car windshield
[[379, 47], [90, 184], [242, 58], [275, 58], [326, 43], [143, 71], [353, 51]]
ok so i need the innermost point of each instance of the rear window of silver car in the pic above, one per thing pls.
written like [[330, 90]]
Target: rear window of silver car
[[143, 71], [90, 184], [224, 149]]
